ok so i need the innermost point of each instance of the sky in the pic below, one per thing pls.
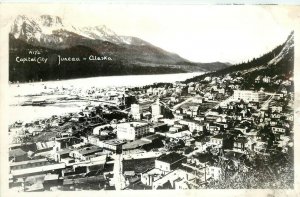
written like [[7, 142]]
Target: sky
[[195, 32]]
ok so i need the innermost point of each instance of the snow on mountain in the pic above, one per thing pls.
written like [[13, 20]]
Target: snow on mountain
[[133, 41], [25, 28], [289, 44], [100, 33], [52, 29]]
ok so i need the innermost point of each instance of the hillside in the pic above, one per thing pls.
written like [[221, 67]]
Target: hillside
[[51, 37], [277, 63]]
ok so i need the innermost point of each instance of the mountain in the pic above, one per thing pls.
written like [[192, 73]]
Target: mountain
[[52, 37], [277, 64]]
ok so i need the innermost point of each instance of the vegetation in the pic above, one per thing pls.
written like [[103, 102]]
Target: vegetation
[[284, 67], [53, 70]]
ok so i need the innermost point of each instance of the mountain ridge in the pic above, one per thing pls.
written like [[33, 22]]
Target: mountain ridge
[[52, 33], [277, 63]]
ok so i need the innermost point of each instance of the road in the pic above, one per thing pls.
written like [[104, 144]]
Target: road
[[119, 179], [178, 105], [266, 103]]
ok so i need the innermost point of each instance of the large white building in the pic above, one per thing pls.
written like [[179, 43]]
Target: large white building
[[136, 111], [132, 130], [156, 109], [248, 95]]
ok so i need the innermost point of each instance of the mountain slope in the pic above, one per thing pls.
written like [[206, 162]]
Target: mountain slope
[[52, 32], [51, 37], [279, 61], [30, 70]]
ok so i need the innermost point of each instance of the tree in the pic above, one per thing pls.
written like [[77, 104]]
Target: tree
[[188, 150]]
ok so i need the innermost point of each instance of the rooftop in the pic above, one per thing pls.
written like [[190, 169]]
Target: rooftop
[[89, 150], [221, 136], [114, 142], [171, 157], [64, 151], [152, 137], [28, 162], [135, 144], [16, 152], [51, 177], [133, 124]]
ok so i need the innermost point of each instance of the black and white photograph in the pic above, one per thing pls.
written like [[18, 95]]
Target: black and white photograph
[[149, 97]]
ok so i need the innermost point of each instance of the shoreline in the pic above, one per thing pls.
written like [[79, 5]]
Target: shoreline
[[35, 90], [104, 76]]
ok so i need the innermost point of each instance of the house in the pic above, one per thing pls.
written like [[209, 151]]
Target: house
[[276, 108], [239, 144], [266, 79], [193, 125], [176, 179], [179, 116], [170, 161], [179, 110], [278, 129], [214, 171], [275, 115], [258, 79], [201, 142], [221, 141]]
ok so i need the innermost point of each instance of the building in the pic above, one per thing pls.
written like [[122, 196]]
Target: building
[[276, 108], [266, 79], [278, 129], [66, 142], [28, 164], [193, 124], [159, 127], [156, 109], [214, 172], [63, 156], [248, 95], [34, 167], [239, 144], [176, 179], [136, 111], [132, 130], [170, 161], [221, 141], [112, 145], [86, 153]]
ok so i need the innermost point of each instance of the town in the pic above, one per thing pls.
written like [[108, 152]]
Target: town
[[207, 134]]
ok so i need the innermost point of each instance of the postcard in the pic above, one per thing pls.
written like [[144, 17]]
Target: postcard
[[149, 99]]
